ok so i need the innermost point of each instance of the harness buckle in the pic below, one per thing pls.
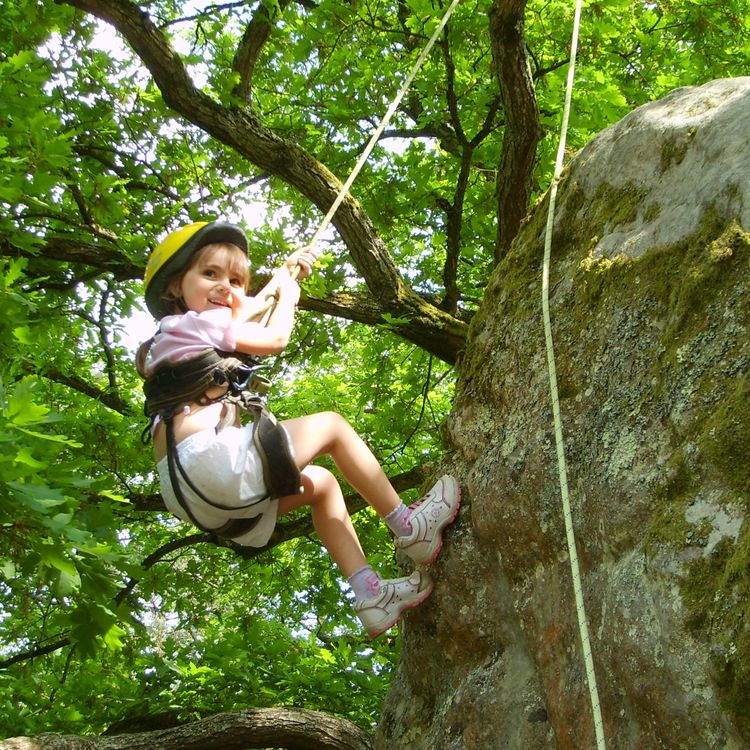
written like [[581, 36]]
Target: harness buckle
[[243, 378]]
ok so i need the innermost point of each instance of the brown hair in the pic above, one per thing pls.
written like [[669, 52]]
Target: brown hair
[[140, 357]]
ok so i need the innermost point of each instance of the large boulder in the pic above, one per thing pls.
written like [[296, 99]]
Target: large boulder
[[650, 290]]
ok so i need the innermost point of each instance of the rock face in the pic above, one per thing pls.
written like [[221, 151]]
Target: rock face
[[650, 304]]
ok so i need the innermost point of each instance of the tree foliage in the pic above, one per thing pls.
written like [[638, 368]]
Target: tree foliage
[[122, 121]]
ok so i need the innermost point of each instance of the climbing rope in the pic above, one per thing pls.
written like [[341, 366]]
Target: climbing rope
[[344, 191], [559, 443], [382, 125]]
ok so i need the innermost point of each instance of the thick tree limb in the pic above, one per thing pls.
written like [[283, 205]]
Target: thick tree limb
[[364, 309], [241, 129], [76, 250], [522, 130], [255, 36], [291, 728]]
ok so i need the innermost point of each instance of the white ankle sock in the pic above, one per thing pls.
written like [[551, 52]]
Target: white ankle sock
[[365, 583], [398, 520]]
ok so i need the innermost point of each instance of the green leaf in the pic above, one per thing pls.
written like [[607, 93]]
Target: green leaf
[[8, 568], [50, 436], [67, 583], [393, 321], [23, 334], [54, 558], [14, 268], [22, 410], [25, 456], [40, 497], [115, 497]]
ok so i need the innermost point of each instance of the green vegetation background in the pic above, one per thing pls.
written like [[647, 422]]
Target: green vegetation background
[[139, 623]]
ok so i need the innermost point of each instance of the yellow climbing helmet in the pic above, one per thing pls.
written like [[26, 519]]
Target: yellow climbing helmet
[[173, 254]]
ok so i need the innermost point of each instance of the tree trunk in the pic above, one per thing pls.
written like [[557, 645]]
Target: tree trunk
[[522, 130], [651, 329]]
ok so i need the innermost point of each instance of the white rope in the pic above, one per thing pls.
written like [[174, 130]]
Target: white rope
[[382, 125], [267, 306], [559, 443]]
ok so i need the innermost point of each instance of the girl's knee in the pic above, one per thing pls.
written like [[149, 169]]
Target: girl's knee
[[319, 483], [339, 426], [318, 486], [335, 420]]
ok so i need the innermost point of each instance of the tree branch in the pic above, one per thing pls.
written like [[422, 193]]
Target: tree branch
[[101, 326], [109, 398], [69, 250], [255, 36], [242, 130], [444, 344], [455, 210], [522, 130], [291, 728]]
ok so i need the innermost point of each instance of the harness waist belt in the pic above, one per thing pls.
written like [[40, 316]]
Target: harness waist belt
[[173, 385]]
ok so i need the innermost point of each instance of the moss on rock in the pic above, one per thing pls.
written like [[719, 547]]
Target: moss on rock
[[691, 291]]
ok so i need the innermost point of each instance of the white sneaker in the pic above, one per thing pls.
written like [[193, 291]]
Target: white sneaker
[[395, 596], [428, 518]]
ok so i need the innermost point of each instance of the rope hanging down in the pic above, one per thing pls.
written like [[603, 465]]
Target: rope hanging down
[[559, 443], [382, 125], [344, 191]]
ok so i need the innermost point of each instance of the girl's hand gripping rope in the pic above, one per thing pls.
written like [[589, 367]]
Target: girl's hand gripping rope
[[297, 266], [300, 263]]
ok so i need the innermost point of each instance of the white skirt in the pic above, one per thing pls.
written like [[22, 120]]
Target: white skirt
[[227, 469]]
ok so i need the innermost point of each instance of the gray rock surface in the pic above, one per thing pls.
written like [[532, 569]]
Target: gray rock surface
[[650, 290]]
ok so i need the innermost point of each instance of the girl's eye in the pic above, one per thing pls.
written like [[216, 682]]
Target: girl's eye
[[208, 272], [236, 282]]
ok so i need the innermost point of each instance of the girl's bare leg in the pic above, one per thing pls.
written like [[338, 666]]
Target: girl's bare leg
[[330, 517], [328, 433]]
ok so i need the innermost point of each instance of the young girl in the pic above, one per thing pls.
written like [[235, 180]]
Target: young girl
[[195, 286]]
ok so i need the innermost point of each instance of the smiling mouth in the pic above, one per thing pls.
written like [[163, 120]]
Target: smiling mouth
[[220, 302]]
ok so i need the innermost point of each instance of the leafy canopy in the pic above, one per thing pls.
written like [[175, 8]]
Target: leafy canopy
[[131, 615]]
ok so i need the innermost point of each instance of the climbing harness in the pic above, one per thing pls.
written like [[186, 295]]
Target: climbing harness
[[173, 385], [559, 443]]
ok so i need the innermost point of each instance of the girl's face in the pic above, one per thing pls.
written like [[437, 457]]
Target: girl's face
[[216, 273]]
